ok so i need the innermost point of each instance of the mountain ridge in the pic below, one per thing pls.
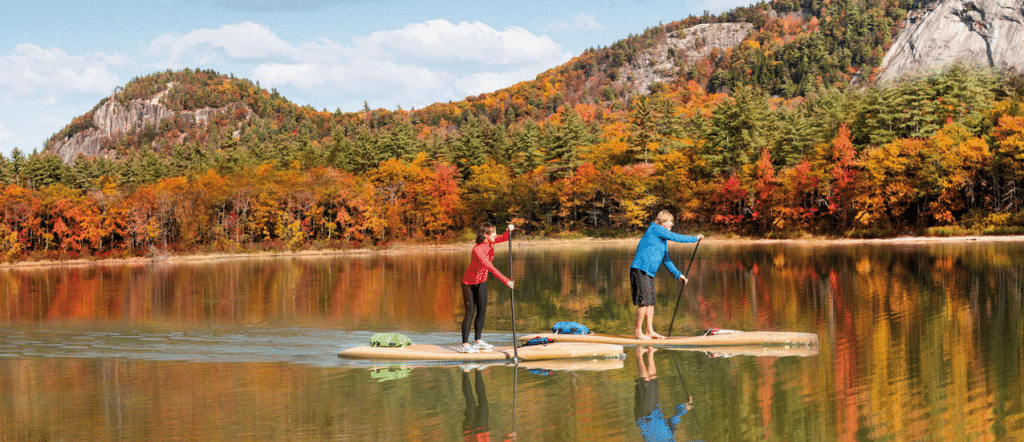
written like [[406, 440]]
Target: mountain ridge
[[780, 47]]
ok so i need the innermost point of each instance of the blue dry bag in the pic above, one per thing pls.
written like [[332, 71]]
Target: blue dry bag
[[539, 340], [570, 328]]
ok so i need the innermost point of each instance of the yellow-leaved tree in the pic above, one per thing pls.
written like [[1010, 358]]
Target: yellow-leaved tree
[[950, 169]]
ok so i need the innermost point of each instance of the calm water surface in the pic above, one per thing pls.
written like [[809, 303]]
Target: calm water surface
[[918, 342]]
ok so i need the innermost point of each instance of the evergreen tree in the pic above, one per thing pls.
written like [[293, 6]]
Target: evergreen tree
[[525, 148], [669, 124], [86, 172], [468, 149], [6, 170], [496, 142], [795, 137], [737, 131], [366, 149], [143, 167], [400, 141], [642, 127], [17, 165], [341, 152], [43, 170], [563, 142], [186, 159]]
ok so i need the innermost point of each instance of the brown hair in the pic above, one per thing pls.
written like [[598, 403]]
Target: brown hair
[[663, 217], [485, 229]]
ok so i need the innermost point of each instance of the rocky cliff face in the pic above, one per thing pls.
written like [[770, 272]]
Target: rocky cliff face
[[694, 43], [977, 32], [114, 118]]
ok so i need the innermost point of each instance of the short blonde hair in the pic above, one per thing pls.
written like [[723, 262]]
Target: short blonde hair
[[663, 217]]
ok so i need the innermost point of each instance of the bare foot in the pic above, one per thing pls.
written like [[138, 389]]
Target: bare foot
[[656, 336], [642, 336]]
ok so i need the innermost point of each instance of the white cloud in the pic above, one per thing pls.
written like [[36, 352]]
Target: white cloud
[[582, 22], [5, 135], [420, 64], [369, 76], [238, 41], [480, 82], [46, 75], [272, 5], [441, 39]]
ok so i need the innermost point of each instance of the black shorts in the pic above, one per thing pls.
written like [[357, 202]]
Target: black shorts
[[645, 398], [643, 287]]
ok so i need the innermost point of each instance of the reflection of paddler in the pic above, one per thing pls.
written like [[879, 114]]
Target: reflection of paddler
[[475, 426], [647, 409]]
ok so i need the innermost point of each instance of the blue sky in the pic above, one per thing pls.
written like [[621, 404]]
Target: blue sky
[[58, 59]]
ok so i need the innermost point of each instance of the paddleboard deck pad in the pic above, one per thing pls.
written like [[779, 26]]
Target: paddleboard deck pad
[[719, 338], [443, 353]]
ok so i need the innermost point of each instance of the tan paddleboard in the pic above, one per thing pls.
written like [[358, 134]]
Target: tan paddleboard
[[721, 339], [430, 352]]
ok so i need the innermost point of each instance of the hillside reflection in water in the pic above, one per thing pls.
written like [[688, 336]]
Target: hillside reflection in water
[[918, 341]]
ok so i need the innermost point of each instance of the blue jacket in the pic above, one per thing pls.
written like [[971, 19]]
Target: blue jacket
[[652, 251]]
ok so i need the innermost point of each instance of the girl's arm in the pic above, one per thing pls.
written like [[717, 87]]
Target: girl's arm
[[502, 238], [481, 256]]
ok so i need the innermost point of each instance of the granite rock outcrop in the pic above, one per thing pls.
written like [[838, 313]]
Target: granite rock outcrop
[[988, 33], [692, 44], [113, 118]]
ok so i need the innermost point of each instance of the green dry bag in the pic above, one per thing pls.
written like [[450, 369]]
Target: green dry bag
[[390, 340]]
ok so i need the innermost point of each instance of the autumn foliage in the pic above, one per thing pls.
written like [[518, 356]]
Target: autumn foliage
[[576, 150]]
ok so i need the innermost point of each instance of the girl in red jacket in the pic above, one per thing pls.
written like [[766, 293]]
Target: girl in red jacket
[[474, 284]]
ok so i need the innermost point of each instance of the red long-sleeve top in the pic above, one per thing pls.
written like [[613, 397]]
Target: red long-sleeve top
[[480, 262]]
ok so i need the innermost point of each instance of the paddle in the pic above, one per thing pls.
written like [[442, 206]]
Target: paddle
[[686, 391], [512, 300], [681, 286]]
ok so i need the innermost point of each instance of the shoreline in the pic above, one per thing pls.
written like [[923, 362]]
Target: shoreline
[[452, 247]]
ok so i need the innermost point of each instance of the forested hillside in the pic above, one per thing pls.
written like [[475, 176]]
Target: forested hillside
[[780, 136]]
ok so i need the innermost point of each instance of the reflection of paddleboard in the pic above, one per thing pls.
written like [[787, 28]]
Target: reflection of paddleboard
[[729, 351], [429, 352], [574, 364], [718, 338], [399, 369]]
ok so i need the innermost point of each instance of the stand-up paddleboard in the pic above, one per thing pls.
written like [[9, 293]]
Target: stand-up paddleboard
[[443, 353], [719, 338]]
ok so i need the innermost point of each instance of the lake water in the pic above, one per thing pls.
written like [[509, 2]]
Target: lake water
[[917, 342]]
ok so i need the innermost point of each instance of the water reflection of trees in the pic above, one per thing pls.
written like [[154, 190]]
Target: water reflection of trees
[[918, 341]]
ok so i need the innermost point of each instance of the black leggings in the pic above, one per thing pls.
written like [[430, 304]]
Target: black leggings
[[477, 416], [474, 298]]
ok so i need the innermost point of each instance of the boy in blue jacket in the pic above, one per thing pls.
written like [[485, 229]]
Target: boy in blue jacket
[[651, 254]]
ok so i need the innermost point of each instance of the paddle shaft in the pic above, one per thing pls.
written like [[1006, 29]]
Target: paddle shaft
[[686, 391], [681, 286], [512, 300]]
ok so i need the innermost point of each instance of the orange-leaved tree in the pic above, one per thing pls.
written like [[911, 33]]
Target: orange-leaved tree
[[766, 192], [72, 218], [445, 204], [843, 174]]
